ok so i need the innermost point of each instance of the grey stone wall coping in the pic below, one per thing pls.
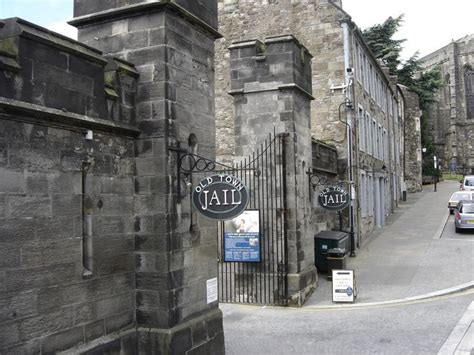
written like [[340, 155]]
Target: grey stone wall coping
[[115, 63], [278, 88], [28, 112], [245, 44], [286, 38], [15, 27], [125, 11]]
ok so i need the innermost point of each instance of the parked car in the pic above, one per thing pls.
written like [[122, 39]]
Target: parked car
[[468, 183], [458, 196], [464, 215]]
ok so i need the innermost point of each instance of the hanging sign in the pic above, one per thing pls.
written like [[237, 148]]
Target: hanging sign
[[220, 197], [334, 198]]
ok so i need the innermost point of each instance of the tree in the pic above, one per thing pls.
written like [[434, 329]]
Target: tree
[[380, 40]]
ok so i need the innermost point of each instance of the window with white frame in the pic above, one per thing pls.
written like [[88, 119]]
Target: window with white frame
[[370, 194], [374, 138], [379, 143], [361, 122], [368, 130], [357, 60], [366, 76], [363, 194]]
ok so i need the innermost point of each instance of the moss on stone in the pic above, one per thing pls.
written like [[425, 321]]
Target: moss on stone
[[9, 46]]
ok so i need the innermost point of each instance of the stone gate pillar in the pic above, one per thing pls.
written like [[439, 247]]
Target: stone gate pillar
[[171, 44], [271, 85]]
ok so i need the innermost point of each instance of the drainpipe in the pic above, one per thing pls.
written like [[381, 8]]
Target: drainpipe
[[349, 73]]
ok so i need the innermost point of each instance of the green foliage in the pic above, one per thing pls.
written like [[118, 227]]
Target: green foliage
[[381, 42], [454, 177]]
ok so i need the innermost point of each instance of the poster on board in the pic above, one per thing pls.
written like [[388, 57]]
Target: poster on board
[[242, 237], [344, 287]]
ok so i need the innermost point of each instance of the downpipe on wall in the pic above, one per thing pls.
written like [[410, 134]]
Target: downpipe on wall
[[349, 78]]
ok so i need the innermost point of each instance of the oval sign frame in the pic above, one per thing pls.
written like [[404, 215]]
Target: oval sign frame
[[220, 197], [337, 194]]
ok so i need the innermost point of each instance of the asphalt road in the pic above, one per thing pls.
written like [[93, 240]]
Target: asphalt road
[[416, 254], [418, 328], [449, 232]]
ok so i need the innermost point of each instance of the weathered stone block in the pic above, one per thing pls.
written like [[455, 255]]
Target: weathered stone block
[[119, 321], [10, 255], [181, 341], [51, 251], [62, 340], [9, 335], [29, 206], [37, 183], [113, 306], [12, 181], [55, 227], [17, 229], [151, 262], [34, 327], [116, 205], [49, 299], [14, 306], [28, 348], [66, 205], [16, 280], [114, 225], [151, 281], [115, 264], [94, 330], [147, 55]]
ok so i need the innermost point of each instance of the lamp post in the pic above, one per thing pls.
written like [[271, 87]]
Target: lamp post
[[435, 171]]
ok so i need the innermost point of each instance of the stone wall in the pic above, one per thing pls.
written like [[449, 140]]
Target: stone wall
[[316, 25], [271, 85], [172, 46], [49, 299], [412, 148], [453, 132], [100, 251]]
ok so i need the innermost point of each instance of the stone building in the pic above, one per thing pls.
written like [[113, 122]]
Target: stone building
[[99, 250], [410, 139], [451, 116], [356, 105]]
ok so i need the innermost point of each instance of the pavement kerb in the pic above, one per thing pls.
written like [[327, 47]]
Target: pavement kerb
[[447, 291], [440, 230]]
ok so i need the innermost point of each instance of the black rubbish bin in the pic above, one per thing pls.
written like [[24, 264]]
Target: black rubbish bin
[[336, 258], [323, 241]]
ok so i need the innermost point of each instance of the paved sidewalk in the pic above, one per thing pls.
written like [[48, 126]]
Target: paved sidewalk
[[407, 258]]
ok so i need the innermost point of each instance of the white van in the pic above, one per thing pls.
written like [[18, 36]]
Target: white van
[[468, 182]]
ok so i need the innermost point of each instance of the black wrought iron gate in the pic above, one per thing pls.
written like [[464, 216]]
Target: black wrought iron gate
[[263, 282]]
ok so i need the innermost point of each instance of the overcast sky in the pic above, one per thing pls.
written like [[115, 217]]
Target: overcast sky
[[428, 26]]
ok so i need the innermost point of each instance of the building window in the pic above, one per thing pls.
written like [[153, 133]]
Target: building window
[[363, 194], [370, 193], [374, 138], [368, 133], [361, 125], [469, 91]]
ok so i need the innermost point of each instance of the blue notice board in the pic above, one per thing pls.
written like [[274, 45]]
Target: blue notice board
[[242, 238]]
